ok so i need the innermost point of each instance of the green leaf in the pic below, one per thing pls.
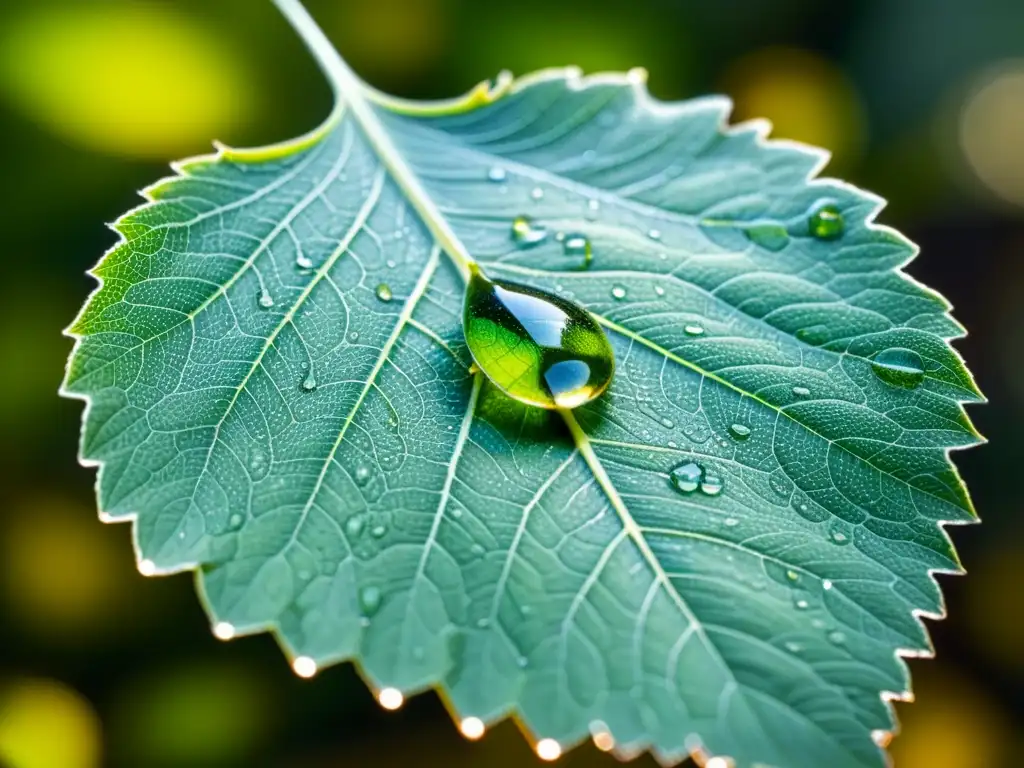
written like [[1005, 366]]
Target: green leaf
[[726, 554]]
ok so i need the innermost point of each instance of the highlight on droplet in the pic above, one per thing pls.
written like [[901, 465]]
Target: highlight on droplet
[[222, 630], [303, 666], [472, 728], [391, 699], [602, 737], [549, 750], [147, 567], [719, 762]]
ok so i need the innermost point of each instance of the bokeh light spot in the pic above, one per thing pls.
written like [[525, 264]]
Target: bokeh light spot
[[806, 97], [992, 130], [139, 78], [62, 573], [44, 724]]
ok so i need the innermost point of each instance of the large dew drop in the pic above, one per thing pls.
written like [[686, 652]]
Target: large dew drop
[[899, 367], [536, 347]]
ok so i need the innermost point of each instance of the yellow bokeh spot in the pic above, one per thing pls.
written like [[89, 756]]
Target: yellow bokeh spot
[[992, 131], [44, 724], [136, 78], [61, 571], [806, 97], [951, 723]]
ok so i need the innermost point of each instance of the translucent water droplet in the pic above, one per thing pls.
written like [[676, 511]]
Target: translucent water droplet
[[686, 478], [593, 205], [654, 234], [477, 550], [739, 431], [353, 336], [362, 474], [801, 391], [839, 533], [378, 531], [731, 522], [801, 604], [826, 584], [384, 292], [771, 237], [522, 662], [369, 600], [792, 576], [391, 263], [309, 383], [659, 290], [693, 330], [259, 465], [826, 222], [565, 357], [497, 174], [711, 485], [899, 367], [537, 193], [302, 261], [577, 246], [836, 637], [618, 292], [266, 300], [354, 526], [235, 521], [483, 623], [793, 647], [526, 233]]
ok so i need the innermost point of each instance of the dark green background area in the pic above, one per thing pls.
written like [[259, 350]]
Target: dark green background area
[[896, 77]]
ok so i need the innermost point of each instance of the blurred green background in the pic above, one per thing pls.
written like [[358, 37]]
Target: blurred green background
[[921, 101]]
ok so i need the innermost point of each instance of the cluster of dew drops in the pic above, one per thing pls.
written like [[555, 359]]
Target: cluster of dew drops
[[898, 367]]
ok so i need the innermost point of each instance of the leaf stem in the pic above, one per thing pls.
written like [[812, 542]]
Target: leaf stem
[[352, 92]]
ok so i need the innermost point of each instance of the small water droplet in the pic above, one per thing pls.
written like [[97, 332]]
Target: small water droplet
[[659, 290], [526, 233], [537, 193], [899, 367], [654, 234], [826, 584], [838, 533], [686, 478], [771, 237], [235, 521], [522, 662], [836, 637], [792, 576], [826, 222], [353, 336], [369, 600], [302, 261], [801, 604], [354, 526], [693, 330], [477, 550], [483, 623], [259, 465], [739, 431], [362, 474], [793, 646], [266, 300], [309, 383], [712, 485], [378, 531], [497, 174], [391, 263], [577, 246], [731, 522], [384, 292], [618, 292], [801, 391], [594, 205]]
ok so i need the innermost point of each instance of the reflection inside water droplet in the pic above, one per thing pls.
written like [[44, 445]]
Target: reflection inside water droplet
[[899, 367]]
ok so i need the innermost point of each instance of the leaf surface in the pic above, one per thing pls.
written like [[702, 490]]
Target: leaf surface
[[279, 395]]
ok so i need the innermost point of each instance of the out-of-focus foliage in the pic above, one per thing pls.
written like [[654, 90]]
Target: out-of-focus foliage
[[911, 68]]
